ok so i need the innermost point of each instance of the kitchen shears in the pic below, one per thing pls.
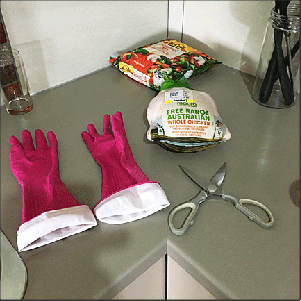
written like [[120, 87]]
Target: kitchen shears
[[214, 189]]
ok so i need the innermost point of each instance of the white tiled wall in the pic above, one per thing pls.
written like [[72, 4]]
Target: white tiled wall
[[63, 40]]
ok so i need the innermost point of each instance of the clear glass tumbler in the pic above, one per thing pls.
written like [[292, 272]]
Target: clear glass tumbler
[[277, 79], [14, 83]]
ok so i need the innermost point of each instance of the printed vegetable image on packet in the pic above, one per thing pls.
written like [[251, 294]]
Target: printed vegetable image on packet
[[154, 63], [185, 120]]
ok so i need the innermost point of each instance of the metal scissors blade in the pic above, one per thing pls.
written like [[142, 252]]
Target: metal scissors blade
[[211, 186], [219, 176], [198, 180]]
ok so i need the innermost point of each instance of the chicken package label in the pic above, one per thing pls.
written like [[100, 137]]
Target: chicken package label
[[187, 118], [182, 117], [154, 63]]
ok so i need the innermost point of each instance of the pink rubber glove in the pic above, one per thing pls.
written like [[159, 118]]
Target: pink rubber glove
[[127, 194], [50, 212]]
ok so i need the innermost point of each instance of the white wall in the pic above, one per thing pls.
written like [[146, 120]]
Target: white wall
[[63, 40], [230, 31]]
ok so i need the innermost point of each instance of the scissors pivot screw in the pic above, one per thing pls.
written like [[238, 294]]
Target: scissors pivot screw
[[212, 188]]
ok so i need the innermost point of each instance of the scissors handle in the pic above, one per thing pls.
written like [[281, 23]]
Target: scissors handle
[[251, 215], [192, 204]]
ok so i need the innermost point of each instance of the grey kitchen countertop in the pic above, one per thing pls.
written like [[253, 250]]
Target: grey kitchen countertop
[[229, 255]]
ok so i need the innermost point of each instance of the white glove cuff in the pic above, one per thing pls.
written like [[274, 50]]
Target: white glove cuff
[[132, 203], [54, 225]]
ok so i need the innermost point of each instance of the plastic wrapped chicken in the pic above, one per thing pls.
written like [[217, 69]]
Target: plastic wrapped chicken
[[184, 120]]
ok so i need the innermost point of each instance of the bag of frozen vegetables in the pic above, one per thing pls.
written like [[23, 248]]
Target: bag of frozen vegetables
[[184, 120], [154, 63]]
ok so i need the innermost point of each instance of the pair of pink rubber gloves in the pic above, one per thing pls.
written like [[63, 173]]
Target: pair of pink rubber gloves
[[50, 212]]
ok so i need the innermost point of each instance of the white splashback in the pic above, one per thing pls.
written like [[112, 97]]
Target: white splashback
[[64, 40], [230, 31]]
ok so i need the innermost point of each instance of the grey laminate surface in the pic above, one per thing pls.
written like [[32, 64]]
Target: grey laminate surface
[[231, 256]]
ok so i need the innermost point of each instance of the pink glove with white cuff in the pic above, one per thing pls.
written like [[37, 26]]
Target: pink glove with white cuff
[[50, 212], [127, 194]]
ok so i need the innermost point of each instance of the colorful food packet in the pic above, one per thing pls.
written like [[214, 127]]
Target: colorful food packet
[[185, 120], [154, 63]]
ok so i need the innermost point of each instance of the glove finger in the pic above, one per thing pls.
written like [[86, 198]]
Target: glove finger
[[118, 125], [13, 140], [120, 134], [118, 114], [52, 143], [41, 142], [88, 139], [92, 130], [106, 125], [16, 151], [27, 141]]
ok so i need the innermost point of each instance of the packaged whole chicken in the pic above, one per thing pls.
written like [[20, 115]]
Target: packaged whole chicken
[[185, 120]]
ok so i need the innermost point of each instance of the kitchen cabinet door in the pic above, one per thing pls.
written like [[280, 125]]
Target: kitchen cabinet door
[[149, 285], [181, 285]]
